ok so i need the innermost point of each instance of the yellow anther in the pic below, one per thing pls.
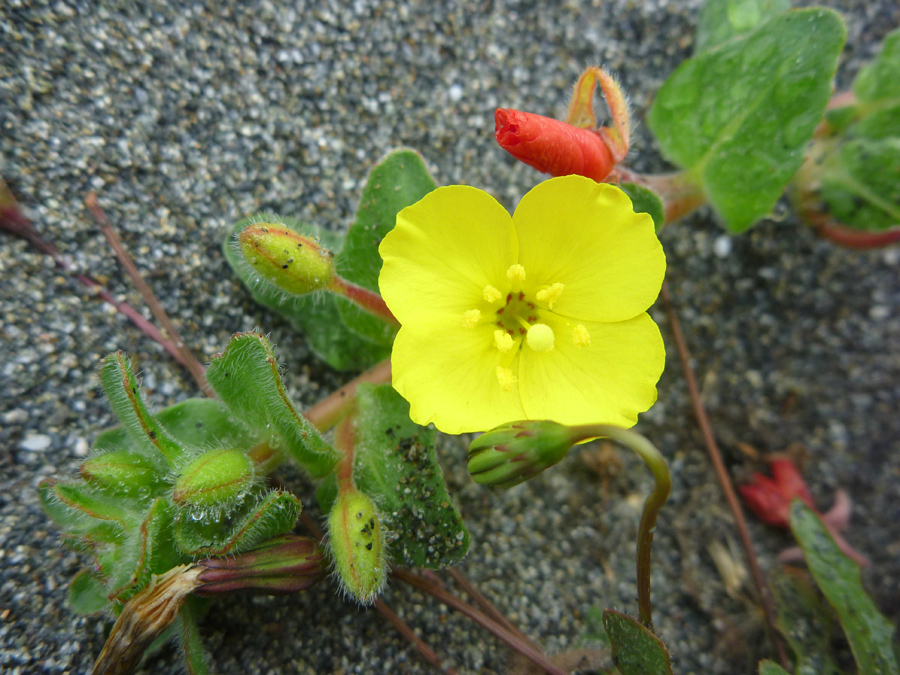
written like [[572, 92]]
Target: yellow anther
[[506, 378], [580, 336], [471, 318], [491, 294], [516, 273], [503, 340], [540, 337], [551, 294]]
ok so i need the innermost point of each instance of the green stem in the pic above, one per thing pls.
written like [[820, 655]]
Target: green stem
[[657, 465], [680, 191], [369, 301]]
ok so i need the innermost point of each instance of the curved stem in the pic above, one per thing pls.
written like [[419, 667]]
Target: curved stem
[[657, 465], [369, 301]]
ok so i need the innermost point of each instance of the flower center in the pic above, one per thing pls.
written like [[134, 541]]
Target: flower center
[[518, 321]]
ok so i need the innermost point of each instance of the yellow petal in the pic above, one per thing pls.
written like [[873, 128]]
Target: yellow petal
[[449, 376], [444, 250], [586, 235], [609, 381]]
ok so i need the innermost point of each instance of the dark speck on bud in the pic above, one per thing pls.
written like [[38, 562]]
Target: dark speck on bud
[[514, 452]]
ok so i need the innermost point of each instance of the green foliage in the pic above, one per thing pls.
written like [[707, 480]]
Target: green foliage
[[316, 316], [646, 200], [805, 621], [869, 633], [189, 636], [743, 142], [722, 20], [396, 465], [771, 668], [87, 594], [263, 516], [397, 181], [246, 377], [636, 651], [858, 169]]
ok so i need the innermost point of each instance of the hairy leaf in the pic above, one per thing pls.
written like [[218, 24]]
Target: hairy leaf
[[743, 142], [636, 651], [869, 633], [246, 377], [721, 20], [397, 181], [646, 200], [395, 464], [240, 530], [87, 593]]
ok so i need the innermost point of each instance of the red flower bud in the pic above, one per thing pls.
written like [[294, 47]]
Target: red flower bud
[[551, 146], [770, 498]]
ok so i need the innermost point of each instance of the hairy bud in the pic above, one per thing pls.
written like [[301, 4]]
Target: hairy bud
[[291, 261], [357, 545], [514, 452], [215, 478]]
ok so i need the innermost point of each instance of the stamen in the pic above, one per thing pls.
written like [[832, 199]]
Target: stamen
[[580, 336], [515, 273], [506, 378], [491, 294], [503, 340], [540, 337], [471, 318], [551, 294]]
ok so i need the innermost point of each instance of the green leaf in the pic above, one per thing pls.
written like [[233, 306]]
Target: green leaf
[[636, 651], [744, 141], [189, 636], [127, 401], [396, 466], [246, 377], [646, 200], [721, 20], [397, 181], [87, 593], [316, 315], [241, 530], [805, 621], [97, 504], [878, 81], [771, 668], [869, 633], [148, 549], [861, 184]]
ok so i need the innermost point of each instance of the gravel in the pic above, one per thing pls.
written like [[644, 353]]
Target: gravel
[[185, 118]]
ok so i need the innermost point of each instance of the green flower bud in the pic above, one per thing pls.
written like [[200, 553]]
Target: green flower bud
[[357, 545], [288, 259], [121, 472], [514, 452], [215, 478], [282, 565]]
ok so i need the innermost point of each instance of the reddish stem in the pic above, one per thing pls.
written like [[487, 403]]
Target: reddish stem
[[326, 413], [762, 588], [510, 638], [680, 192], [370, 301]]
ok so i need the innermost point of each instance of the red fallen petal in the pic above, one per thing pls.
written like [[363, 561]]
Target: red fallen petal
[[551, 146], [790, 482], [766, 502]]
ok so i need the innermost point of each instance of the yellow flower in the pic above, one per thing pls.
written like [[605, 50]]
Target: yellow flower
[[541, 315]]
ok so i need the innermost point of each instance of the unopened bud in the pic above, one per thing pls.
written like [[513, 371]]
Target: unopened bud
[[216, 477], [285, 564], [357, 545], [514, 452], [121, 472], [291, 261]]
